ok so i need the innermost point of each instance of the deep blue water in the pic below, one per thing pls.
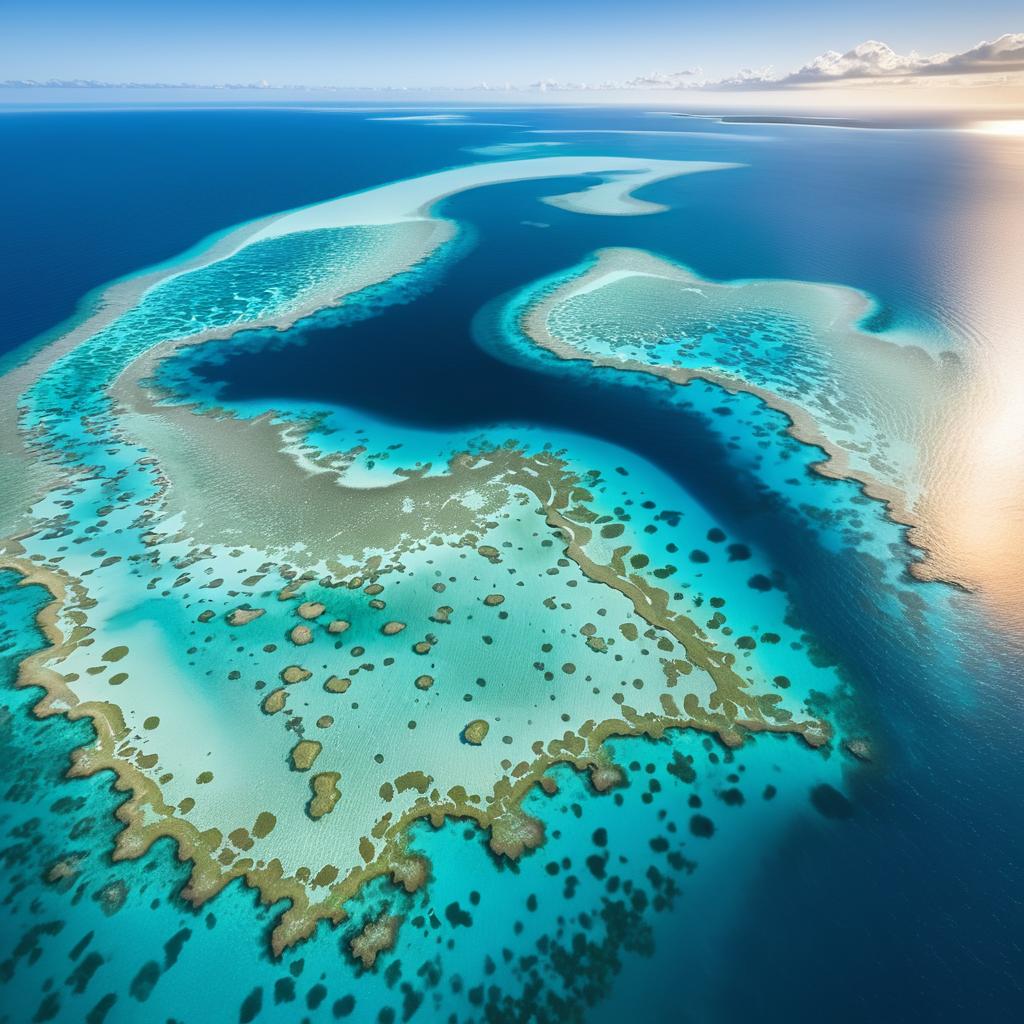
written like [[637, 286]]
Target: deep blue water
[[90, 196], [911, 908]]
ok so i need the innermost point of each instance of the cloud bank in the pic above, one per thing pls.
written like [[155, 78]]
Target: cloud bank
[[875, 60], [866, 62]]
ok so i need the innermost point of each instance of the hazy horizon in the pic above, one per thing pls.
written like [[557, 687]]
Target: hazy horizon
[[790, 55]]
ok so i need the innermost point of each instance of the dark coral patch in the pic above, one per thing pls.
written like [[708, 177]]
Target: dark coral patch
[[828, 801], [702, 826]]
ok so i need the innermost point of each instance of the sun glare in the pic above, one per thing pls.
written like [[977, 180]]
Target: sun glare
[[1007, 127]]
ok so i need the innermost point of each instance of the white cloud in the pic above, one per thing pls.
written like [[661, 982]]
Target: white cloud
[[655, 80], [1004, 54], [872, 60], [664, 80]]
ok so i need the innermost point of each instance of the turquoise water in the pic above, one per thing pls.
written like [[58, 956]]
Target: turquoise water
[[799, 868]]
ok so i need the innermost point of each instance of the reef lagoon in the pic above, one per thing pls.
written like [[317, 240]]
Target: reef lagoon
[[534, 565]]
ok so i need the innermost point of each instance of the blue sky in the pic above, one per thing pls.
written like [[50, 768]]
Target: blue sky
[[463, 42]]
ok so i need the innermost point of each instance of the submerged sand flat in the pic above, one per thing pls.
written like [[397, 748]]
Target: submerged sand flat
[[413, 198], [286, 671]]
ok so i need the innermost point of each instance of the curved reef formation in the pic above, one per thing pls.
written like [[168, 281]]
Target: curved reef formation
[[886, 409], [285, 667]]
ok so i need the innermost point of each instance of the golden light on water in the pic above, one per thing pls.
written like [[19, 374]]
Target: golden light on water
[[1007, 127], [973, 509]]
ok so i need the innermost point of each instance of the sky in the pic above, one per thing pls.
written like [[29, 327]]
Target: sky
[[462, 44]]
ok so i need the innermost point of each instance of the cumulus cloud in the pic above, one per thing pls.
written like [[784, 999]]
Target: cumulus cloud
[[656, 80], [664, 80], [873, 59], [870, 59], [1004, 54]]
